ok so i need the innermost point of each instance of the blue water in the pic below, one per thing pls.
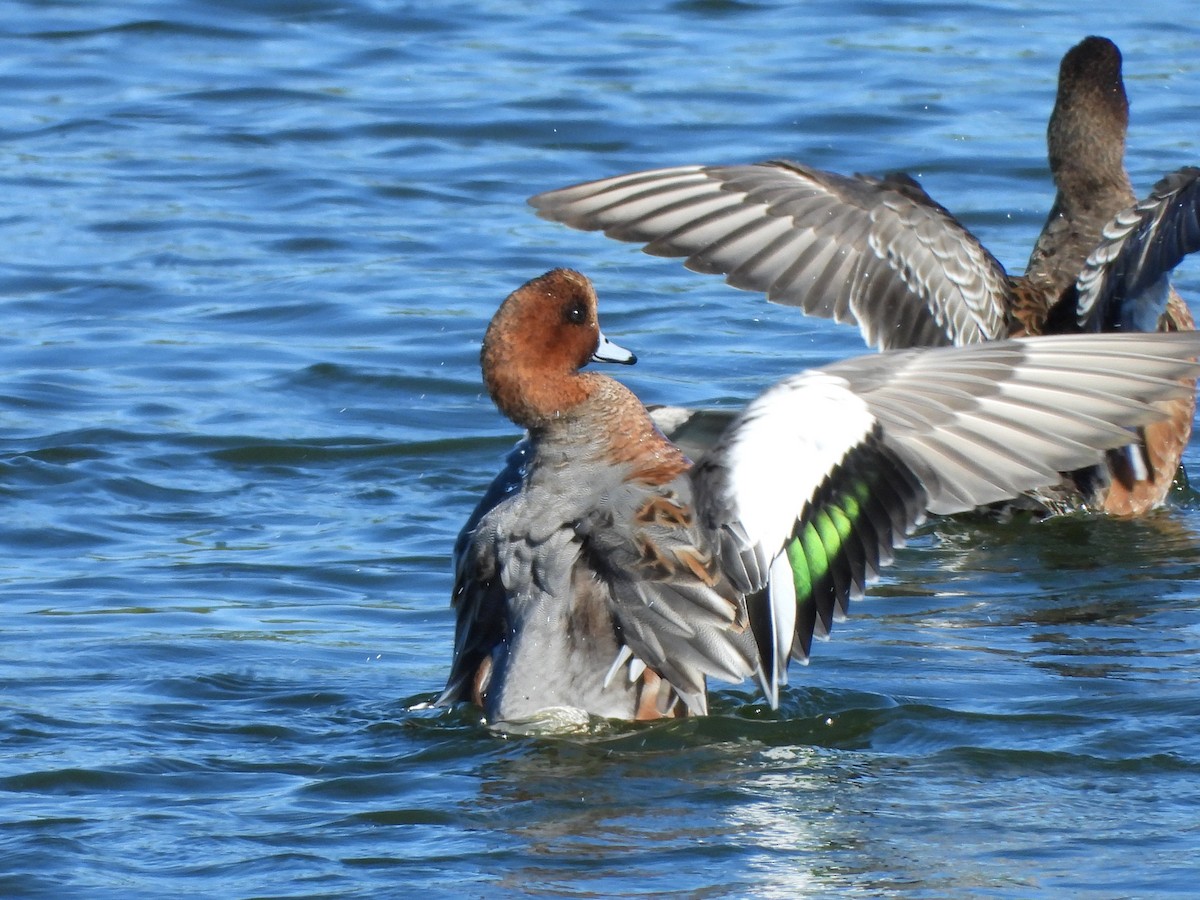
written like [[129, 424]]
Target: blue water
[[247, 252]]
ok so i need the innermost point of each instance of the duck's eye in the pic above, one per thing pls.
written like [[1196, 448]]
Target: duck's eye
[[576, 314]]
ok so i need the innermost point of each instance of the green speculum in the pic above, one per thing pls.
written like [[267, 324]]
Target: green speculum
[[819, 539]]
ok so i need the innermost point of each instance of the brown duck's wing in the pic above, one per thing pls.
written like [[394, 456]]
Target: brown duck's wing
[[1124, 283], [879, 253]]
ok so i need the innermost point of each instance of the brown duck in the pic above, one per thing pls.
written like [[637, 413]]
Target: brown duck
[[881, 253]]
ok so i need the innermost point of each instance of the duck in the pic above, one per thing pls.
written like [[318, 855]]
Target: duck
[[617, 575], [884, 255]]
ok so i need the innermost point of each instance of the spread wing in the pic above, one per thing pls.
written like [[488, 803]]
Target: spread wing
[[879, 253], [1123, 284], [824, 474]]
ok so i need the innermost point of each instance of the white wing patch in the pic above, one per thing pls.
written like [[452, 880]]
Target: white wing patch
[[782, 448]]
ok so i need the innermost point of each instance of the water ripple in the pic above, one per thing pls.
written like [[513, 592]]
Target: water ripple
[[250, 253]]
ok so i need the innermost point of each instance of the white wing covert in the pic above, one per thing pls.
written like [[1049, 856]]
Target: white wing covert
[[830, 469]]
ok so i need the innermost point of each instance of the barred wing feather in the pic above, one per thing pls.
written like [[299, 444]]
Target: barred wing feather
[[879, 253]]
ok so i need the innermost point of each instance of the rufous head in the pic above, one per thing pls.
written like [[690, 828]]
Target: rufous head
[[543, 334]]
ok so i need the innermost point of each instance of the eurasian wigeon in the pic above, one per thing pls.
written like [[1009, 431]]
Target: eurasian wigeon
[[615, 576], [883, 254]]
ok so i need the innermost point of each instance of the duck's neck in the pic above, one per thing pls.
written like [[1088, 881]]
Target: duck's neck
[[532, 395], [1086, 143], [1088, 164], [1091, 190], [1085, 136], [611, 426]]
